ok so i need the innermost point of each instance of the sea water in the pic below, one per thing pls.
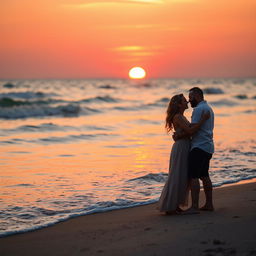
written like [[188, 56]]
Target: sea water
[[75, 147]]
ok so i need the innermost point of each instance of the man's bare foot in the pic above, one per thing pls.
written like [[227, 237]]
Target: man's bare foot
[[179, 210], [207, 208], [191, 211]]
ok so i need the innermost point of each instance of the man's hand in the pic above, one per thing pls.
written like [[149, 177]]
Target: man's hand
[[176, 136], [179, 135]]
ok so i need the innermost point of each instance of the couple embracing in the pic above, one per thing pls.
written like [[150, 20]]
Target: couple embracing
[[190, 154]]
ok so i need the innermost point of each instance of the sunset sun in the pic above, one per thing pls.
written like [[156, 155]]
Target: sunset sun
[[137, 73]]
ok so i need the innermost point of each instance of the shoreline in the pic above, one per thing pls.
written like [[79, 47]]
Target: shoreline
[[33, 229], [142, 230], [245, 181]]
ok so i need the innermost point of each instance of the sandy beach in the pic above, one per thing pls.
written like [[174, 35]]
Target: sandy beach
[[230, 230]]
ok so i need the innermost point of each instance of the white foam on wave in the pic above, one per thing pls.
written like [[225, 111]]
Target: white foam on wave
[[158, 177], [233, 181], [104, 206], [97, 208]]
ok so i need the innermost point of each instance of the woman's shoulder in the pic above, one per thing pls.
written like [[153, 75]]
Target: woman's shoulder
[[178, 118]]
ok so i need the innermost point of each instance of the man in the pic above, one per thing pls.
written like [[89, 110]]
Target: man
[[202, 148]]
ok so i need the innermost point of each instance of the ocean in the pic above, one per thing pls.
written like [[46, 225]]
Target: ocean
[[76, 147]]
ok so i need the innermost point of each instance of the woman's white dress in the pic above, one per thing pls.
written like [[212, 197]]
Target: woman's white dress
[[175, 191]]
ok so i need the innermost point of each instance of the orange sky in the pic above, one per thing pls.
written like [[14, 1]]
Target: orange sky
[[100, 39]]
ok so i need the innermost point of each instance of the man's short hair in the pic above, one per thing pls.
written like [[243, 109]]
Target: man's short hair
[[197, 90]]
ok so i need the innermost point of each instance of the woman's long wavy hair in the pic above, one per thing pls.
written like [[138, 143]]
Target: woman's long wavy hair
[[172, 110]]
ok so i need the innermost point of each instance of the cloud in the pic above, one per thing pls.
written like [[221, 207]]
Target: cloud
[[94, 3], [128, 48], [158, 27], [144, 1], [88, 3], [138, 51]]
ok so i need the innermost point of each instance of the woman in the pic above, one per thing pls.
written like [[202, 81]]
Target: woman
[[175, 191]]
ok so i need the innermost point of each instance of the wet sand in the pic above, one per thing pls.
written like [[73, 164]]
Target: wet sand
[[229, 230]]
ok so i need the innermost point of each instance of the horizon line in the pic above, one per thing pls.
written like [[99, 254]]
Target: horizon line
[[127, 78]]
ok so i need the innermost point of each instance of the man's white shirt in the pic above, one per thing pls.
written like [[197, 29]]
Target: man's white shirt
[[203, 138]]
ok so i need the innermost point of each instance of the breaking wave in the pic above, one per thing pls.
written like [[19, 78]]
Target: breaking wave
[[223, 103], [16, 112], [26, 95], [155, 177], [212, 90]]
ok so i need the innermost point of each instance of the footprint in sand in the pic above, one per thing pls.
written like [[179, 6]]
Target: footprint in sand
[[236, 217], [220, 251], [218, 242]]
